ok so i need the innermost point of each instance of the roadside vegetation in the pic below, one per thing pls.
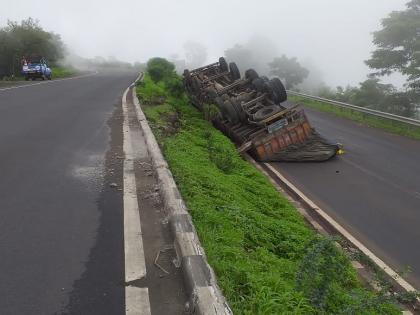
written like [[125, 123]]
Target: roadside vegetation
[[267, 260], [62, 72], [366, 119]]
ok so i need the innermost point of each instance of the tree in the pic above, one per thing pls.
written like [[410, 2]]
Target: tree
[[25, 39], [373, 94], [160, 68], [398, 45], [289, 70]]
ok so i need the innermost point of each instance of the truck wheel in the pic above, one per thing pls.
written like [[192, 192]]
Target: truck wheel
[[234, 71], [241, 113], [251, 74], [211, 93], [278, 89], [266, 112], [259, 85], [195, 82], [187, 74], [223, 64], [230, 112]]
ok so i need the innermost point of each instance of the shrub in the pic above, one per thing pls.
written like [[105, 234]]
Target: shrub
[[174, 85], [160, 68]]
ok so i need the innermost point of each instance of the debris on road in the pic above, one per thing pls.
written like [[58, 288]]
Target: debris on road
[[253, 112]]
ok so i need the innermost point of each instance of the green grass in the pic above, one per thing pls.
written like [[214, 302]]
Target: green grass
[[366, 119], [61, 72], [267, 260]]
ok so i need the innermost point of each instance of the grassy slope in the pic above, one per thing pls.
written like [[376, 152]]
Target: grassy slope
[[265, 257], [382, 123]]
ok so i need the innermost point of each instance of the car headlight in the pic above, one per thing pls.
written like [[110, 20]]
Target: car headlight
[[37, 68]]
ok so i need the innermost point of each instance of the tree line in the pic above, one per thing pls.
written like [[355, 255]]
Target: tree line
[[27, 38]]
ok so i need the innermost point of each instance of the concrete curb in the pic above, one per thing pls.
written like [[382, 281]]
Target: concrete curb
[[205, 297]]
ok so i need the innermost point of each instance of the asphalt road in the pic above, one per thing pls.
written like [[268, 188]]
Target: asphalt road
[[373, 190], [61, 238]]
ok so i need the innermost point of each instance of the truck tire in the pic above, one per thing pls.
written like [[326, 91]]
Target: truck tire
[[279, 92], [230, 112], [259, 85], [234, 71], [241, 113], [211, 93], [223, 64], [219, 103], [251, 74], [195, 82], [266, 112], [187, 74]]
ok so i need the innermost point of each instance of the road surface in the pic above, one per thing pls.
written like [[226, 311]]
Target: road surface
[[373, 190], [61, 224]]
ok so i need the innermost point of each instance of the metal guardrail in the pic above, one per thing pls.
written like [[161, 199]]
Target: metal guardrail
[[409, 121]]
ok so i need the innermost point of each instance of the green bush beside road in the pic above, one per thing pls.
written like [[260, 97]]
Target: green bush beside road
[[395, 127], [267, 260]]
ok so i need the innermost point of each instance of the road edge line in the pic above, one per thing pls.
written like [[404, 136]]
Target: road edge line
[[205, 297], [137, 300]]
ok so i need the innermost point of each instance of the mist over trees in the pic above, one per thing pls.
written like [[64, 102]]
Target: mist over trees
[[314, 83], [25, 39], [256, 53], [289, 70], [195, 54], [398, 50]]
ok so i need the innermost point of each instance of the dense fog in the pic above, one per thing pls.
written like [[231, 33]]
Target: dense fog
[[331, 38]]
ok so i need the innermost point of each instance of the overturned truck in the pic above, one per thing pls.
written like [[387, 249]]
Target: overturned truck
[[254, 113]]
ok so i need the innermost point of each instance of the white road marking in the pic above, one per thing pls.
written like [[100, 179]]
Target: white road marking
[[139, 301], [136, 299], [48, 82], [135, 267]]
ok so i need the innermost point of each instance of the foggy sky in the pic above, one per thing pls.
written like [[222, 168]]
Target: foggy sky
[[334, 35]]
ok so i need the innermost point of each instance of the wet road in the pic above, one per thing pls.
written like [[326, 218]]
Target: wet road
[[59, 219], [373, 190]]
